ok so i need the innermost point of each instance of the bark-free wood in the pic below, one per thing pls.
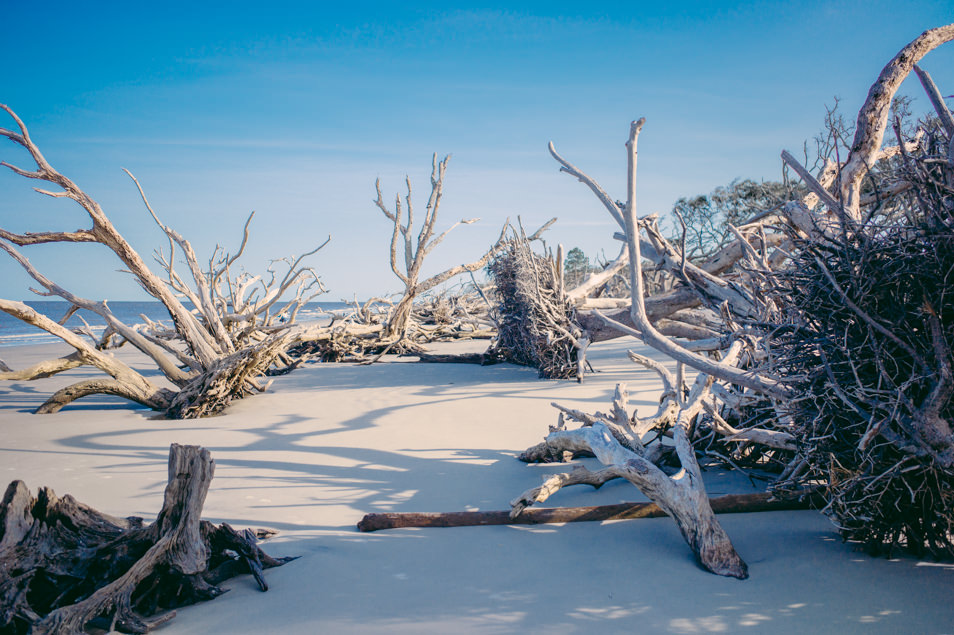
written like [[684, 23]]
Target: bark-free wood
[[228, 326], [410, 246], [873, 115]]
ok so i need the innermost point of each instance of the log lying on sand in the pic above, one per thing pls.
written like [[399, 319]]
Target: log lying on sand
[[65, 566], [731, 504]]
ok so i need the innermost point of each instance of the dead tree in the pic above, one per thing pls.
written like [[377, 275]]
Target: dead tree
[[535, 318], [410, 246], [871, 326], [382, 326], [765, 357], [620, 444], [65, 566], [215, 351], [873, 116]]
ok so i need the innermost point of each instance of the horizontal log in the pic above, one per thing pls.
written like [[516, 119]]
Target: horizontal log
[[481, 359], [730, 504]]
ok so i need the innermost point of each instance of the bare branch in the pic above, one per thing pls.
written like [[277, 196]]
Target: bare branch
[[873, 116]]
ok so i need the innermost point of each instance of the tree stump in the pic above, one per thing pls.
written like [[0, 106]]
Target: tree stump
[[64, 565]]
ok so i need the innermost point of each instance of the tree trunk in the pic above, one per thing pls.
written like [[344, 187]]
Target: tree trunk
[[400, 317], [65, 566], [730, 504]]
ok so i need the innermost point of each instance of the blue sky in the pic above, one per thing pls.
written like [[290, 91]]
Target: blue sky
[[293, 110]]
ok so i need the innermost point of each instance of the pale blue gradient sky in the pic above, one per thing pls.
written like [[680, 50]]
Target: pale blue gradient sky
[[293, 111]]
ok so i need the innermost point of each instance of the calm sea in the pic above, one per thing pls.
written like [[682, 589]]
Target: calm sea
[[13, 332]]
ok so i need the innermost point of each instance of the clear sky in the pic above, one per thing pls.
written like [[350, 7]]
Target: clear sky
[[293, 110]]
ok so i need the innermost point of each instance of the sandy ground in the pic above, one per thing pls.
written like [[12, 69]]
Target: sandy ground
[[330, 443]]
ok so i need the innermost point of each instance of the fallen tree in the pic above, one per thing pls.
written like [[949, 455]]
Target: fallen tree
[[751, 405], [216, 350], [381, 326], [617, 440], [870, 332], [65, 566], [534, 315], [729, 504]]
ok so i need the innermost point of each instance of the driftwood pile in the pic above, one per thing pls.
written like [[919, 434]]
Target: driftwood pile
[[228, 327], [870, 351], [534, 317], [65, 566], [828, 359]]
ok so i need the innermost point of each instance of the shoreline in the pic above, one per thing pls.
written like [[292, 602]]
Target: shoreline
[[331, 442]]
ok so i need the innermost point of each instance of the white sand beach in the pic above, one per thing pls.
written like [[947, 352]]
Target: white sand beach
[[329, 443]]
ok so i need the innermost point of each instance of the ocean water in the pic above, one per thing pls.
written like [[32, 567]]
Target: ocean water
[[14, 332]]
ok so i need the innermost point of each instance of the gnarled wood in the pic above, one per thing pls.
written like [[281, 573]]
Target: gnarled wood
[[227, 326], [410, 246], [873, 116], [64, 565]]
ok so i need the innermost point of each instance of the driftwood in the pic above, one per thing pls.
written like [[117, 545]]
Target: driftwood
[[618, 440], [535, 318], [873, 116], [481, 359], [758, 352], [410, 246], [730, 504], [218, 349], [871, 322], [65, 566], [381, 326]]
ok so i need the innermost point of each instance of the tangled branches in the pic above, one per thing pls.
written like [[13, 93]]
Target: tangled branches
[[219, 347], [873, 324], [535, 319]]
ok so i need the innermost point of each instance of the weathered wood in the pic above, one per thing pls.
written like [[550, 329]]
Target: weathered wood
[[412, 246], [598, 278], [481, 359], [46, 368], [873, 115], [64, 565], [535, 320], [125, 382], [227, 325], [729, 504]]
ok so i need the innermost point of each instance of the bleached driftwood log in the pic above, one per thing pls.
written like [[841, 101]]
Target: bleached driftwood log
[[217, 350], [617, 440], [65, 566]]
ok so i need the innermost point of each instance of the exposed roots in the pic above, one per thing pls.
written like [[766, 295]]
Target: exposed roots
[[871, 347], [65, 566], [535, 319]]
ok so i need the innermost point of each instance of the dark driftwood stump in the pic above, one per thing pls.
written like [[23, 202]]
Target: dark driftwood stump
[[64, 565]]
